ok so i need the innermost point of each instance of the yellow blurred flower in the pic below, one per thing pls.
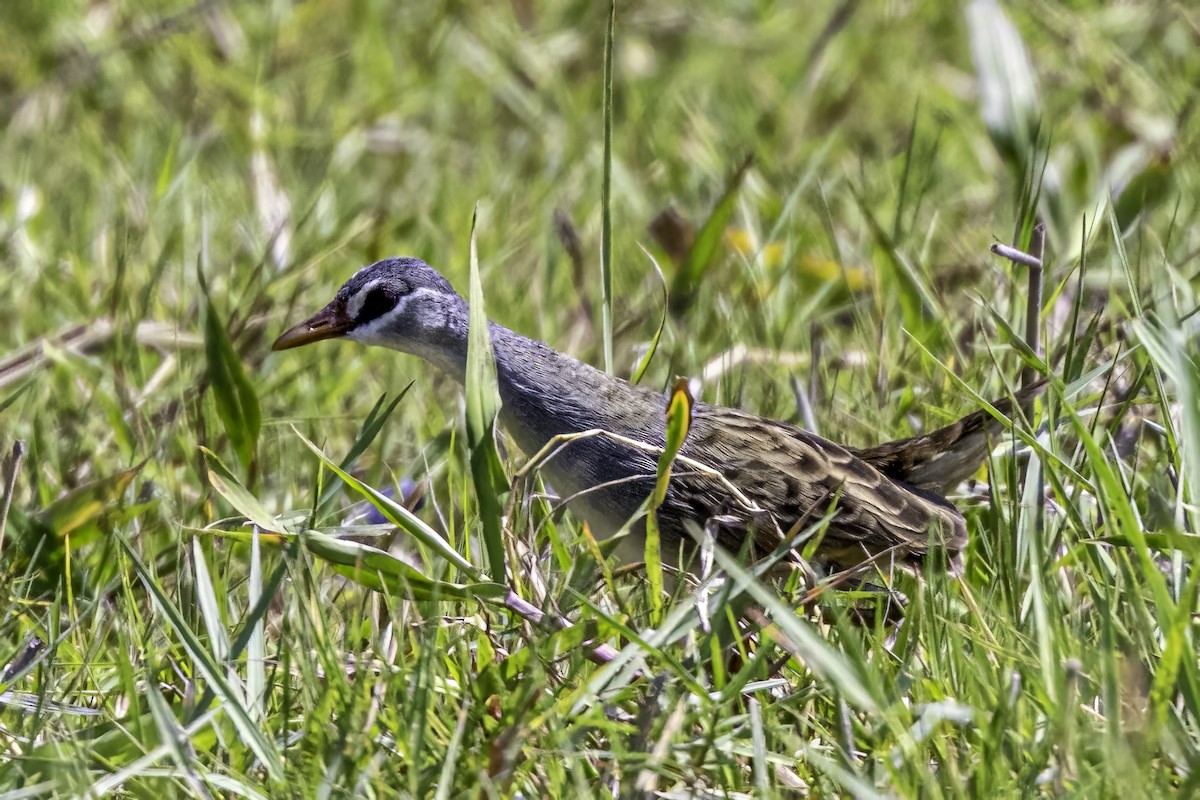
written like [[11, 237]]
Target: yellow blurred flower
[[826, 271], [821, 270], [741, 241]]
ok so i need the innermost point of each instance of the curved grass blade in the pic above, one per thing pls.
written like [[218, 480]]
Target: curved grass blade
[[79, 507], [679, 417], [228, 486], [606, 279], [703, 251], [827, 663], [367, 433], [379, 570], [644, 362]]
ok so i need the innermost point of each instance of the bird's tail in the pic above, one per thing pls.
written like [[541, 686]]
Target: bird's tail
[[940, 460]]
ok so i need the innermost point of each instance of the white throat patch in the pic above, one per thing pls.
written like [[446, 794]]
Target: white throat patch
[[417, 339]]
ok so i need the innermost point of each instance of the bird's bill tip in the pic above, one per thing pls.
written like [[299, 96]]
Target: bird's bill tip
[[330, 322]]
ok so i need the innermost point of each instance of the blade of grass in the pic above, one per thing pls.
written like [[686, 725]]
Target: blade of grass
[[257, 612], [237, 402], [233, 703], [1008, 90], [384, 572], [210, 608], [644, 362], [398, 515], [922, 311], [679, 415], [371, 427], [256, 648], [606, 278], [173, 737], [450, 761], [708, 240], [818, 655], [229, 487], [483, 404], [758, 741]]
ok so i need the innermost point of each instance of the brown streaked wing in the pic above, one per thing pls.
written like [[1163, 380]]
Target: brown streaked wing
[[791, 472]]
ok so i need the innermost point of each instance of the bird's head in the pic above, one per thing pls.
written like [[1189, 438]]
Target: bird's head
[[401, 303]]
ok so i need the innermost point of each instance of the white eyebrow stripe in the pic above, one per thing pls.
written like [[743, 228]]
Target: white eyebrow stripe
[[374, 331], [355, 303], [423, 291]]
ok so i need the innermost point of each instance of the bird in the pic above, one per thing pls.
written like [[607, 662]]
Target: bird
[[748, 481]]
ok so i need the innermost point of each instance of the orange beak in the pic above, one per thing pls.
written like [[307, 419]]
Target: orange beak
[[330, 322]]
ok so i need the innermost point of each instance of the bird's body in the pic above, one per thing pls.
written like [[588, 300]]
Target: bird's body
[[886, 500]]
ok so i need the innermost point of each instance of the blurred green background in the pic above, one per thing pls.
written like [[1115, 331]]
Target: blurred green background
[[277, 147]]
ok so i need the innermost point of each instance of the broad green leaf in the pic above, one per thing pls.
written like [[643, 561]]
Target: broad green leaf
[[79, 507], [483, 404], [225, 484], [381, 571], [708, 240], [237, 403]]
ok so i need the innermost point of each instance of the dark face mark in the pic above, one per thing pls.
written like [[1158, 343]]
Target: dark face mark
[[379, 301]]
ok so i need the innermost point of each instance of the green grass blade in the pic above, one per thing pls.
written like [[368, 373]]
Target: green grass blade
[[210, 607], [382, 571], [818, 655], [229, 487], [1008, 89], [450, 763], [172, 737], [644, 362], [232, 702], [758, 745], [708, 241], [256, 648], [371, 427], [398, 515], [483, 404], [237, 402], [679, 415], [606, 277]]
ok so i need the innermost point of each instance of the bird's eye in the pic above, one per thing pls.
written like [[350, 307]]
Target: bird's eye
[[378, 302]]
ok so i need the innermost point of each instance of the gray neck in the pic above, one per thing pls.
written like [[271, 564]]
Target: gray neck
[[543, 392]]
